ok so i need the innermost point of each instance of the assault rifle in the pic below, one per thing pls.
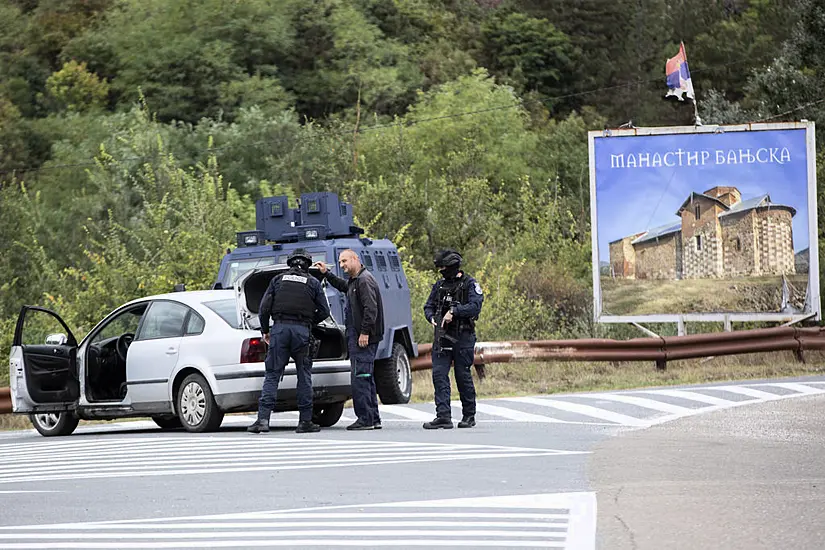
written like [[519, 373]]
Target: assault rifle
[[441, 332]]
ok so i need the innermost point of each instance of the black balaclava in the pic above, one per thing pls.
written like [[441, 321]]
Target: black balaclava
[[448, 262]]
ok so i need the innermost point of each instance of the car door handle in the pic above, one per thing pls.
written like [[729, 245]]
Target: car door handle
[[171, 351]]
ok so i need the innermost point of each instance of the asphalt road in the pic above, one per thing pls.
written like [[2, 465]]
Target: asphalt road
[[746, 478], [722, 466]]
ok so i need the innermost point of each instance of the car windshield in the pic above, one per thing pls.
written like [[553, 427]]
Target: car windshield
[[226, 310]]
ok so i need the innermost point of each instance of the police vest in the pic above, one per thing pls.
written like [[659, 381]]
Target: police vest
[[293, 300], [455, 292]]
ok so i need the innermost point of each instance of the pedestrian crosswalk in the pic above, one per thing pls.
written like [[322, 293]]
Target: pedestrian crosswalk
[[639, 408], [180, 454], [553, 520]]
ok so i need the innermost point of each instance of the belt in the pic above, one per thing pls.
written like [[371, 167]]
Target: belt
[[293, 322]]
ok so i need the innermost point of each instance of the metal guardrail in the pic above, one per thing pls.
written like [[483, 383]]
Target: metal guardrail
[[659, 350]]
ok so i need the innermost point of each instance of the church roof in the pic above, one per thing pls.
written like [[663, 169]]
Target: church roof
[[763, 201], [657, 232], [700, 195]]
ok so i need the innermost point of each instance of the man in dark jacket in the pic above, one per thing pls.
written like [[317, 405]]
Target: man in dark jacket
[[365, 329], [295, 301]]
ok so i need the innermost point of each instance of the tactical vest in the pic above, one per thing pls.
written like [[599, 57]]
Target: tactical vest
[[455, 292], [293, 300]]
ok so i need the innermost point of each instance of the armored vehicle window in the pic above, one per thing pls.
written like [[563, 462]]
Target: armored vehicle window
[[367, 259], [382, 262], [316, 257], [239, 267], [395, 263]]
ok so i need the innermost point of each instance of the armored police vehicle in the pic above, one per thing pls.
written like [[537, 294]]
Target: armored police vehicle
[[324, 227]]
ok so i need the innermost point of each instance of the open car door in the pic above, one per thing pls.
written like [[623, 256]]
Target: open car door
[[43, 363]]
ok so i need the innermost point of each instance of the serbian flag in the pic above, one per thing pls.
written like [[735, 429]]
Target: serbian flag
[[678, 76]]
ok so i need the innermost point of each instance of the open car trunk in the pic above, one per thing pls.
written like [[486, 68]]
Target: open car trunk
[[249, 291]]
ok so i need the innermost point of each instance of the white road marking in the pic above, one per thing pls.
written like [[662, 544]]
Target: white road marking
[[21, 492], [585, 410], [406, 412], [801, 388], [512, 414], [750, 392], [492, 411], [690, 396], [563, 520], [181, 455], [639, 402]]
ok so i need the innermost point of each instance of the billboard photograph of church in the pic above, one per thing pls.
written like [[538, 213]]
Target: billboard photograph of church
[[704, 222], [715, 234]]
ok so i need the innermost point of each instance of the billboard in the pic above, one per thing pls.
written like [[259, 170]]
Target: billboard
[[704, 223]]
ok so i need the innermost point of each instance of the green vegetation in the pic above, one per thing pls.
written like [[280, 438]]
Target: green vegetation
[[135, 136]]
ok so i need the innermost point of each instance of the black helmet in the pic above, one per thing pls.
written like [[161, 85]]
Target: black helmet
[[447, 258], [299, 258]]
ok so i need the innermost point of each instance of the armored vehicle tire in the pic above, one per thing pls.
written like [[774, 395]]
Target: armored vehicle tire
[[52, 424], [328, 415], [393, 378], [196, 406], [167, 422]]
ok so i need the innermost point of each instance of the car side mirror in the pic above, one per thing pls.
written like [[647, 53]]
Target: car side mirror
[[57, 339]]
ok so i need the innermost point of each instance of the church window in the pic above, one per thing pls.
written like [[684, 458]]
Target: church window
[[698, 242], [697, 211]]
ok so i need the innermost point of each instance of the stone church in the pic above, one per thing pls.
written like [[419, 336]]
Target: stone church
[[718, 235]]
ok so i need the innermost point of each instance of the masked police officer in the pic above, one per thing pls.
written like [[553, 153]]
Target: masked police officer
[[453, 307], [296, 302]]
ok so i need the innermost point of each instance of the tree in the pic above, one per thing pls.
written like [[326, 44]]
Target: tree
[[76, 89], [530, 51]]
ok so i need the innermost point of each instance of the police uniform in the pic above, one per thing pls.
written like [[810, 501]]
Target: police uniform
[[295, 301], [461, 295]]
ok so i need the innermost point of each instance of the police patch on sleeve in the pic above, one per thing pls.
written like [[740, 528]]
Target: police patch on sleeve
[[478, 288]]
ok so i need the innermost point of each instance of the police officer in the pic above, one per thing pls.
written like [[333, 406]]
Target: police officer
[[365, 330], [295, 301], [453, 307]]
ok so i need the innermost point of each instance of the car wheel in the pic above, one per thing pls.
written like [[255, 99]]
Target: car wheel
[[52, 424], [393, 378], [197, 410], [328, 415], [167, 422]]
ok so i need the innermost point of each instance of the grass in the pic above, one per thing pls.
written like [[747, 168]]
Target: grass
[[743, 294], [507, 380]]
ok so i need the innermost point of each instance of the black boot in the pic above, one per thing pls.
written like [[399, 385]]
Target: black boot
[[258, 427], [439, 422], [468, 421], [307, 426]]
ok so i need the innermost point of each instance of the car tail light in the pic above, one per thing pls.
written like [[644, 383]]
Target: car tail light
[[253, 350]]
